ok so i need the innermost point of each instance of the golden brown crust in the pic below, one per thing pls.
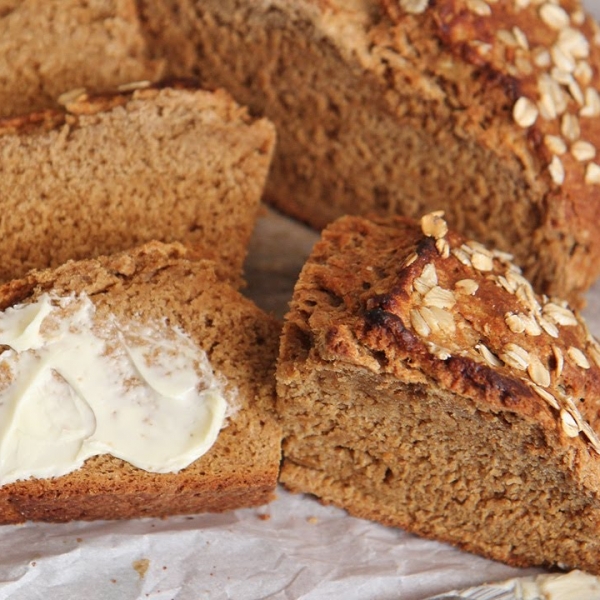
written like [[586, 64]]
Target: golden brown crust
[[157, 281], [423, 384]]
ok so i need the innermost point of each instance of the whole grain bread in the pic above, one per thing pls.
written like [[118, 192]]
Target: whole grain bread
[[109, 172], [424, 385], [152, 283], [487, 110], [48, 47]]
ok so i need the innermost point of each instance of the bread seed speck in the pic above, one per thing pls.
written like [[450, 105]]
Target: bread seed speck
[[514, 323], [592, 103], [521, 38], [591, 436], [574, 43], [559, 314], [538, 372], [541, 58], [461, 256], [569, 127], [559, 359], [479, 7], [583, 151], [555, 144], [583, 72], [419, 324], [467, 286], [554, 16], [414, 7], [439, 297], [426, 280], [411, 259], [531, 325], [569, 425], [578, 357], [545, 395], [557, 171], [592, 174], [525, 112], [434, 225], [489, 357], [443, 247], [515, 356], [561, 59], [548, 327], [482, 262]]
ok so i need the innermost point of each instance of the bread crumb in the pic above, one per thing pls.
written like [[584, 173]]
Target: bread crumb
[[312, 520], [264, 516], [141, 566]]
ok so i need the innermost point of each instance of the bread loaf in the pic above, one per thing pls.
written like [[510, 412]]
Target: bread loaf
[[107, 173], [157, 284], [487, 110], [424, 385], [48, 47]]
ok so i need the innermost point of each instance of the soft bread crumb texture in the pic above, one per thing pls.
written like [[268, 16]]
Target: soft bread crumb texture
[[48, 47], [410, 394], [156, 282], [469, 107], [107, 173]]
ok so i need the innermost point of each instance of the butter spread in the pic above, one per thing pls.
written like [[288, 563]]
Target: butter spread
[[74, 385]]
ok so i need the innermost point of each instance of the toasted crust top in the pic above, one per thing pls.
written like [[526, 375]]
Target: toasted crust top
[[424, 305]]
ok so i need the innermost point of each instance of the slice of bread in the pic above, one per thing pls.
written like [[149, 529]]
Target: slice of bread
[[487, 110], [157, 283], [111, 172], [48, 47], [423, 384]]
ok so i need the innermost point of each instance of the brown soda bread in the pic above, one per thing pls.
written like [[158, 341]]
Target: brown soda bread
[[487, 110], [423, 384], [110, 172], [157, 282]]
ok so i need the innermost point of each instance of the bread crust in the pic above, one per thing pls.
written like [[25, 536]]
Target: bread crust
[[156, 282]]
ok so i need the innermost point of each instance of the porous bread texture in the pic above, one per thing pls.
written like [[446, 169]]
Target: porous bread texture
[[152, 283], [48, 47], [107, 173], [422, 384], [487, 110]]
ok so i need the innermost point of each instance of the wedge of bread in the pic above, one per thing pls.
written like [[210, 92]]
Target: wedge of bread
[[423, 384], [487, 110], [152, 286]]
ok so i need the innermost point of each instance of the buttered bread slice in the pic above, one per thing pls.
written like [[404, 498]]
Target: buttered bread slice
[[132, 385], [423, 384]]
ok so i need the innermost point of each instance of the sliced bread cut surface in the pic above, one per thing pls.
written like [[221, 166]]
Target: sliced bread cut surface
[[157, 283], [110, 172], [488, 110], [424, 385], [48, 47]]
